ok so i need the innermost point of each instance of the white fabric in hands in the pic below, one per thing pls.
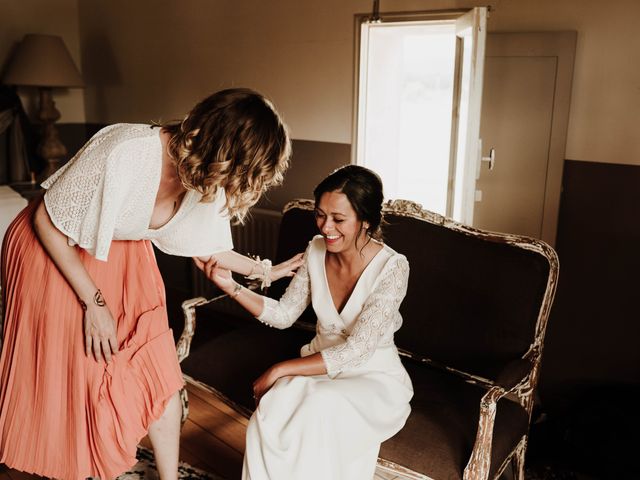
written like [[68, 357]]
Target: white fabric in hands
[[107, 192]]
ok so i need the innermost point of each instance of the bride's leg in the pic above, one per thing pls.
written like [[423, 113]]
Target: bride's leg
[[164, 434]]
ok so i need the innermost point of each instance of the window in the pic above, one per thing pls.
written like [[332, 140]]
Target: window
[[418, 107]]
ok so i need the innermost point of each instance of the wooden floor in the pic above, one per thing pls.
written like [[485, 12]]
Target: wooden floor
[[212, 438]]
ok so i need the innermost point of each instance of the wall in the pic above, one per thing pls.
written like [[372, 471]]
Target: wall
[[148, 59], [606, 86], [593, 331], [59, 17]]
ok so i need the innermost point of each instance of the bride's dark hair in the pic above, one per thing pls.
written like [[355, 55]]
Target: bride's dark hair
[[363, 188]]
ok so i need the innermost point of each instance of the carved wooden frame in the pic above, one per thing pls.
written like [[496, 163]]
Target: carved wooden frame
[[522, 391]]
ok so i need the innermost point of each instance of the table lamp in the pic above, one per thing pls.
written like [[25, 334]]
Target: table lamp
[[43, 61]]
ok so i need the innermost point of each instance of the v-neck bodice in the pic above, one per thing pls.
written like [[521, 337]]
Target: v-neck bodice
[[373, 263], [333, 326], [367, 322]]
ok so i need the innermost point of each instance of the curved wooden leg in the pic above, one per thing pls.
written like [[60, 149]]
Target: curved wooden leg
[[184, 401], [517, 461]]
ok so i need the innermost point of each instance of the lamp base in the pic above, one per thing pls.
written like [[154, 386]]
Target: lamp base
[[50, 169], [50, 148]]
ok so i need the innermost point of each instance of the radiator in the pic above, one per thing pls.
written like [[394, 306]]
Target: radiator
[[257, 237], [259, 234]]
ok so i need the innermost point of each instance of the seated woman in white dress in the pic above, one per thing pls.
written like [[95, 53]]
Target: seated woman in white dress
[[325, 414]]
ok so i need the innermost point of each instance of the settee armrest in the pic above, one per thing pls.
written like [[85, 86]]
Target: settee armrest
[[183, 346], [515, 373], [515, 376]]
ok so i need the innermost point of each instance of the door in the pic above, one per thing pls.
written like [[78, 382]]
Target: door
[[525, 112]]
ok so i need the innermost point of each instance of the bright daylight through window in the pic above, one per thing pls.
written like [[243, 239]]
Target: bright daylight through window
[[417, 118]]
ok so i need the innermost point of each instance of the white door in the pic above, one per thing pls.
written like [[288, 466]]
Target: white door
[[471, 33]]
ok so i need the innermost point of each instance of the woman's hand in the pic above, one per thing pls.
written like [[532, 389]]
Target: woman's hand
[[310, 365], [264, 383], [220, 276], [287, 268], [99, 333], [99, 326]]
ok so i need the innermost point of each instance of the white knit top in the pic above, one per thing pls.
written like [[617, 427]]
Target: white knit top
[[107, 192]]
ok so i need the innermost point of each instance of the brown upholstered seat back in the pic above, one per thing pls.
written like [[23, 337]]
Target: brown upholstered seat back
[[297, 228], [472, 304], [473, 301]]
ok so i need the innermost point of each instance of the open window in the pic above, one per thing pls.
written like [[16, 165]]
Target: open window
[[418, 94]]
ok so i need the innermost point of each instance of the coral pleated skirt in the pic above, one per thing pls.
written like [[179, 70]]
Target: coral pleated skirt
[[63, 414]]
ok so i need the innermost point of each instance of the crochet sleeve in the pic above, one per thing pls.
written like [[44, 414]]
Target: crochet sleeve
[[379, 318], [81, 197], [284, 312]]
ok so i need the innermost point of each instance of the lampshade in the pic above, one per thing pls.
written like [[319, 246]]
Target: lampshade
[[42, 61]]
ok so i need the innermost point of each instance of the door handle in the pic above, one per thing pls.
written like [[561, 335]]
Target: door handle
[[491, 159]]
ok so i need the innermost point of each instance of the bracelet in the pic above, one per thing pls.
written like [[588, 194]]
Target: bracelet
[[264, 276], [98, 299], [236, 291]]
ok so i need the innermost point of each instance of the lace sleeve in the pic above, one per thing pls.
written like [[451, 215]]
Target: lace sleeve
[[86, 199], [379, 319], [283, 313]]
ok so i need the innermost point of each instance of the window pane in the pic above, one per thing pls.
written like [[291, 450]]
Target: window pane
[[407, 90]]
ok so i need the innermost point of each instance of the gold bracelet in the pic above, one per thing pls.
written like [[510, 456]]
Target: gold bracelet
[[236, 291], [98, 299]]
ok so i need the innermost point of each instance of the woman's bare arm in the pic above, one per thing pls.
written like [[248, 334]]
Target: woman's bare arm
[[243, 265], [251, 301], [99, 326]]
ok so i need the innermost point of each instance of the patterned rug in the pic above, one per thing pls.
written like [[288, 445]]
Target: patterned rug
[[145, 469]]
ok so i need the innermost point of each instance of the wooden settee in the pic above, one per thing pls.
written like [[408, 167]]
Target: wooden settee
[[473, 329]]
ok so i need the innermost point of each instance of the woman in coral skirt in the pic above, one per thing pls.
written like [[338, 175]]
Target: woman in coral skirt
[[88, 365]]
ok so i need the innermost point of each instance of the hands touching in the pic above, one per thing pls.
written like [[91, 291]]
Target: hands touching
[[287, 268], [218, 275], [213, 266], [254, 303]]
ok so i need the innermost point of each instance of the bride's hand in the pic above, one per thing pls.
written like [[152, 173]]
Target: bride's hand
[[287, 268], [264, 383]]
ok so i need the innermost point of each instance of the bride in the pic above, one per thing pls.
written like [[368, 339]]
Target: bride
[[325, 414]]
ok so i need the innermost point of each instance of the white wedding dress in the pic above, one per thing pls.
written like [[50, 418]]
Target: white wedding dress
[[330, 427]]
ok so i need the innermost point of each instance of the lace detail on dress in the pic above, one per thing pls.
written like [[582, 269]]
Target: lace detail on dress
[[282, 314], [378, 321]]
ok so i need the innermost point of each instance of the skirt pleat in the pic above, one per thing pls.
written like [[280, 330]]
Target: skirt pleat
[[62, 413]]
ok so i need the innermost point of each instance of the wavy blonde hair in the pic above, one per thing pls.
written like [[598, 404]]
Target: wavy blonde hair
[[233, 139]]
